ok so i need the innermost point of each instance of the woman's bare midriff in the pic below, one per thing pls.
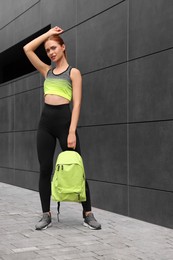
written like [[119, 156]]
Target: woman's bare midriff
[[55, 100]]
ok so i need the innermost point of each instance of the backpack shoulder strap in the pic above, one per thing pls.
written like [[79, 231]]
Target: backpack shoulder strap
[[58, 210]]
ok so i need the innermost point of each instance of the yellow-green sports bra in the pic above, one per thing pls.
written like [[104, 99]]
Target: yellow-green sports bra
[[59, 84]]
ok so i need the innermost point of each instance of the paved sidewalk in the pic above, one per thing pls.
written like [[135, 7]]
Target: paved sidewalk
[[121, 238]]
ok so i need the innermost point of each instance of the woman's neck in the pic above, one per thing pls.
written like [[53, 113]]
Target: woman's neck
[[61, 64]]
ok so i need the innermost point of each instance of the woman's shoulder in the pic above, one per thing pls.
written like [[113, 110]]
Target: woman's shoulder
[[75, 72]]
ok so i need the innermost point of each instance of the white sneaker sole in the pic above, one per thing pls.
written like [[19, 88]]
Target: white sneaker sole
[[44, 227], [92, 228]]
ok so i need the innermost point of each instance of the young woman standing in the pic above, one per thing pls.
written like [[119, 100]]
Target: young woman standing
[[62, 85]]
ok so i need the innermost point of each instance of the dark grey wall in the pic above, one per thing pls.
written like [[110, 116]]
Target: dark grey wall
[[124, 50]]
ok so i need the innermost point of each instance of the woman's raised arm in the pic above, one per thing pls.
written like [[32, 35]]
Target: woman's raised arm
[[30, 48]]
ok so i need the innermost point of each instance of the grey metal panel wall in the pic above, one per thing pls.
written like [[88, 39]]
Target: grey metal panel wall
[[105, 86], [150, 26], [101, 48], [151, 91], [151, 147], [20, 109], [150, 111], [19, 26], [9, 10], [98, 50], [124, 51]]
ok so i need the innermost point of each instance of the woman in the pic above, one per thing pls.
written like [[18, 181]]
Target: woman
[[62, 84]]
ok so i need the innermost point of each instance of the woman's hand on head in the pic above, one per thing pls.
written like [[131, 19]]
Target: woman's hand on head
[[55, 30]]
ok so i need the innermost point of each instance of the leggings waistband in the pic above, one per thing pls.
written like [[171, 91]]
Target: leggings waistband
[[56, 106]]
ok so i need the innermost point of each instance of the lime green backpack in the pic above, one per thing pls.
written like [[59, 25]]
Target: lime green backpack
[[68, 183]]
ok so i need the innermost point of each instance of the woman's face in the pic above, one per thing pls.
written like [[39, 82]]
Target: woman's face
[[54, 50]]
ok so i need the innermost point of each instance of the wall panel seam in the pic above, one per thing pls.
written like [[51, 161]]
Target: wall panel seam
[[18, 169], [128, 91], [93, 126], [18, 131], [26, 76], [131, 186], [126, 123], [93, 16], [150, 188], [128, 61], [150, 54], [19, 93], [1, 28]]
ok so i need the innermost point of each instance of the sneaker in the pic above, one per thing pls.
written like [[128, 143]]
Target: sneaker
[[44, 222], [91, 222]]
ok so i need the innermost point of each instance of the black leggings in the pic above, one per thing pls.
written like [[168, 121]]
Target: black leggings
[[54, 124]]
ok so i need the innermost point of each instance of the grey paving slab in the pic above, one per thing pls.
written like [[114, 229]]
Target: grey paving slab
[[121, 238]]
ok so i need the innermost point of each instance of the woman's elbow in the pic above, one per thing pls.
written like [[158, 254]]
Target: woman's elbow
[[25, 49]]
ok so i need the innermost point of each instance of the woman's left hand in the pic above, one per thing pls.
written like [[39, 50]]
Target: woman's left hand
[[55, 30], [71, 140]]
